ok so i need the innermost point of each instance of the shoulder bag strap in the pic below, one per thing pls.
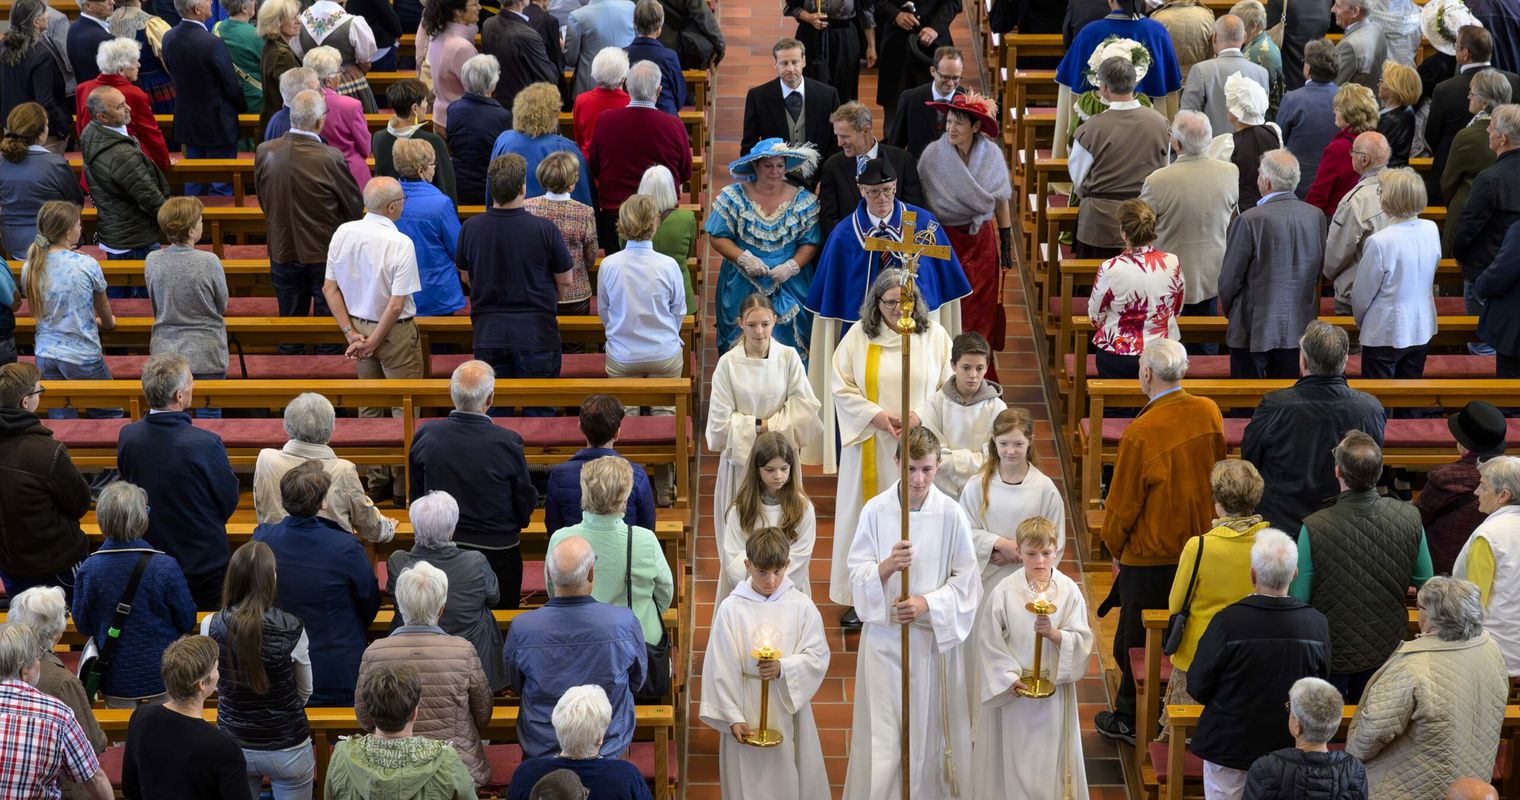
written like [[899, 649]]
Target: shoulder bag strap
[[123, 608], [628, 574], [1187, 602]]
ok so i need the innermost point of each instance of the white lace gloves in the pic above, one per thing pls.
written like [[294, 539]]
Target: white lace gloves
[[752, 265], [785, 271]]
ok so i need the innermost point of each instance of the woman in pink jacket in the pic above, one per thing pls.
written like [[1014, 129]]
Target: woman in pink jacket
[[344, 127]]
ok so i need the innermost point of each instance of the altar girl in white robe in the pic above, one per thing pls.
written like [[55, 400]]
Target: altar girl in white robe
[[944, 590], [760, 385], [961, 412], [770, 496], [867, 392], [1031, 748], [766, 607], [1009, 490]]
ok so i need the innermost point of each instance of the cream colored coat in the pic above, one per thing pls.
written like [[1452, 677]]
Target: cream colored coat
[[1195, 198], [1429, 716]]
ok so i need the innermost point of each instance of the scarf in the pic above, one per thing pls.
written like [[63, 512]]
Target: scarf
[[964, 192]]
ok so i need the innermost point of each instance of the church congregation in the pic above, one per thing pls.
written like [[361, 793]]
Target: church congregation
[[1100, 398]]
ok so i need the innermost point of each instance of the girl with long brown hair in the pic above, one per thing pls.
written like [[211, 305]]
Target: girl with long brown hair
[[66, 291], [265, 676], [770, 496]]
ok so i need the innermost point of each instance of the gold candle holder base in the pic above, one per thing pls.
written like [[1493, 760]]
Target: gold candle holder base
[[763, 738], [1036, 686]]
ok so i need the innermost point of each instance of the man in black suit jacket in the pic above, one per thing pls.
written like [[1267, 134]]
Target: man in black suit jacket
[[838, 194], [519, 48], [1448, 103], [86, 34], [769, 114], [547, 27], [1305, 23], [208, 96], [1499, 321], [916, 125]]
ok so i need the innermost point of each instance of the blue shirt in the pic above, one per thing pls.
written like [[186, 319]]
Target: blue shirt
[[534, 149], [573, 641], [641, 298], [562, 503], [1164, 75], [66, 329], [431, 222]]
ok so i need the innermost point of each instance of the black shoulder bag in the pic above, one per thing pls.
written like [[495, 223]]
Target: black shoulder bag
[[657, 671], [92, 670], [1178, 621]]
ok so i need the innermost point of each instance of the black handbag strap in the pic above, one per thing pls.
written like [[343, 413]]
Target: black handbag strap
[[123, 608], [1187, 602], [628, 575]]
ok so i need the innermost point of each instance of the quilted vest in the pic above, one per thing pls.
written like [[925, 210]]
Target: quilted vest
[[1502, 532], [276, 719], [1364, 549]]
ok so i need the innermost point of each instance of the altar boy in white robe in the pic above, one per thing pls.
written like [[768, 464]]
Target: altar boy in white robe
[[944, 586], [962, 411], [766, 607], [1031, 747]]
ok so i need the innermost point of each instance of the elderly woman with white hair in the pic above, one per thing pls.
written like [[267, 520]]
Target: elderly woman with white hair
[[475, 121], [1392, 295], [130, 21], [120, 63], [162, 610], [1314, 717], [1491, 557], [609, 69], [580, 719], [456, 699], [309, 421], [1253, 135], [473, 589], [36, 726], [45, 611], [326, 23], [1431, 714], [344, 126]]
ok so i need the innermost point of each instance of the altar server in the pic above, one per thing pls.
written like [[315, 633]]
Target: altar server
[[770, 496], [960, 414]]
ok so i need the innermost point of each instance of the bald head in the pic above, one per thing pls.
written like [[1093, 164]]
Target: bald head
[[1370, 151], [384, 196], [109, 106], [1229, 31], [570, 567], [1471, 789], [472, 386]]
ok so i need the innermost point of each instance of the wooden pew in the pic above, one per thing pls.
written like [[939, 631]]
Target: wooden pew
[[651, 724], [1014, 46]]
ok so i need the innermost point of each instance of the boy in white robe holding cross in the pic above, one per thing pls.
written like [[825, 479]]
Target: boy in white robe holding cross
[[766, 609], [944, 584]]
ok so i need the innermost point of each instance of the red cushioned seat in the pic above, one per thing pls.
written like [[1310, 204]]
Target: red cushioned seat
[[1192, 766], [382, 570], [642, 754], [348, 432], [1458, 367], [1075, 306], [79, 434], [503, 760], [1137, 666], [533, 582], [1234, 430], [70, 659], [245, 251], [291, 367], [110, 763], [565, 432]]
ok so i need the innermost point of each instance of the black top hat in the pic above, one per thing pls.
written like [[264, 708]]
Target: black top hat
[[1479, 427], [877, 172]]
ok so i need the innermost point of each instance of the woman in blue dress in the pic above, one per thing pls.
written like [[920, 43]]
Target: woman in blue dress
[[766, 229]]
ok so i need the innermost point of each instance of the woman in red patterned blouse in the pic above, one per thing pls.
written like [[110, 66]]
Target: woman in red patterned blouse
[[1136, 296]]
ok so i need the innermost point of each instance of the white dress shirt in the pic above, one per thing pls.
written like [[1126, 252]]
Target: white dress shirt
[[373, 262], [641, 299]]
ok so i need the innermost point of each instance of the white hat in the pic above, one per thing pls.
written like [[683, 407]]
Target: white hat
[[1245, 99], [1441, 19], [1123, 48]]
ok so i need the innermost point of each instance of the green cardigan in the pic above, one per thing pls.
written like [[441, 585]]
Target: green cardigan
[[653, 586]]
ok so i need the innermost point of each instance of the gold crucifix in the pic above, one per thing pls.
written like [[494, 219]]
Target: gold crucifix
[[914, 245]]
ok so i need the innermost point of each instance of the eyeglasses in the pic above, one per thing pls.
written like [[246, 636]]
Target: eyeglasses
[[891, 304], [38, 392], [884, 192], [1362, 153]]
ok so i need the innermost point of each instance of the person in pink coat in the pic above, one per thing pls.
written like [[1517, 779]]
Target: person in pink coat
[[345, 128]]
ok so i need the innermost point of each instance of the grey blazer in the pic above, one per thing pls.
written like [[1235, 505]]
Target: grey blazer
[[1359, 56], [1204, 89], [1268, 282], [1194, 198]]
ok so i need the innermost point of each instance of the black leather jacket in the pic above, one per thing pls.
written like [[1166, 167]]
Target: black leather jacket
[[1397, 126]]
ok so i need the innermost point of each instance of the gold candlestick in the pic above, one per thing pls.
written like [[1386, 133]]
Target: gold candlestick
[[1034, 680], [765, 652]]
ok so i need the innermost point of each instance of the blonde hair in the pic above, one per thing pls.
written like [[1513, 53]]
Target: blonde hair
[[558, 172], [411, 157], [1357, 107], [1236, 486], [638, 219], [606, 483], [1006, 422], [177, 217], [748, 503], [272, 15], [1037, 531], [535, 111], [1402, 82], [1403, 193], [54, 222]]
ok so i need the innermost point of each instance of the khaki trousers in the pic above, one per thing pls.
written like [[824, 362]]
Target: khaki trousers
[[399, 356]]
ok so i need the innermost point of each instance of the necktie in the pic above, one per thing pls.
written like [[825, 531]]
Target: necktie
[[860, 165], [794, 105]]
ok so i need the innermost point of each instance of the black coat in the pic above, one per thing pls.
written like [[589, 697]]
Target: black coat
[[41, 499], [1306, 22], [190, 484], [37, 79], [474, 123], [1493, 204], [1499, 322], [1397, 126], [482, 465], [382, 18], [1079, 13], [838, 195], [1449, 115], [547, 27], [519, 48], [765, 115], [1246, 662], [1292, 774], [916, 125], [208, 96], [85, 37]]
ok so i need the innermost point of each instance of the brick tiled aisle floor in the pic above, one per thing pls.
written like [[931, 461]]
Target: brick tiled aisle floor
[[751, 27]]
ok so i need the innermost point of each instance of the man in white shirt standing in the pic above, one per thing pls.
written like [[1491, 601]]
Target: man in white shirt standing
[[371, 275]]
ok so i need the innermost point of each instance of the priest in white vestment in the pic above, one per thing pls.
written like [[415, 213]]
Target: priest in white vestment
[[759, 385], [944, 589], [766, 609], [1031, 748], [868, 403]]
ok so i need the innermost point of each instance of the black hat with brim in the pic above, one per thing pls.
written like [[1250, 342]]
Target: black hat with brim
[[1479, 427], [877, 172]]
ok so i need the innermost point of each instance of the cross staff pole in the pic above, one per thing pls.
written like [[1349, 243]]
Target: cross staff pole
[[914, 245]]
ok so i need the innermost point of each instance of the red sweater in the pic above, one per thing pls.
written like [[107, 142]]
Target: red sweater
[[627, 142], [588, 107], [142, 126], [1335, 176]]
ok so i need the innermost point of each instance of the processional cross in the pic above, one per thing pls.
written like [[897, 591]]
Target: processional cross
[[914, 245]]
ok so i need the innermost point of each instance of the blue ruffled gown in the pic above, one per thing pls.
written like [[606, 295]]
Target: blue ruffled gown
[[774, 239]]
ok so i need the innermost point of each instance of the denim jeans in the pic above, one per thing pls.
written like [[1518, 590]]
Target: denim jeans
[[220, 151], [1474, 307], [290, 772], [138, 254], [54, 370], [64, 579], [521, 364]]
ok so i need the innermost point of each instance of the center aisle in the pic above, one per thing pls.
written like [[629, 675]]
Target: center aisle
[[751, 27]]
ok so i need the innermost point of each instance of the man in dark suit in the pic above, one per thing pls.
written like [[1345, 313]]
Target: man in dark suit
[[306, 192], [547, 27], [1499, 321], [1448, 103], [519, 48], [791, 107], [916, 125], [208, 95], [838, 193], [692, 31], [1305, 23], [85, 37], [906, 33]]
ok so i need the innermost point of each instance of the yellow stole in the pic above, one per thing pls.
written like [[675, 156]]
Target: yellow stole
[[868, 448]]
